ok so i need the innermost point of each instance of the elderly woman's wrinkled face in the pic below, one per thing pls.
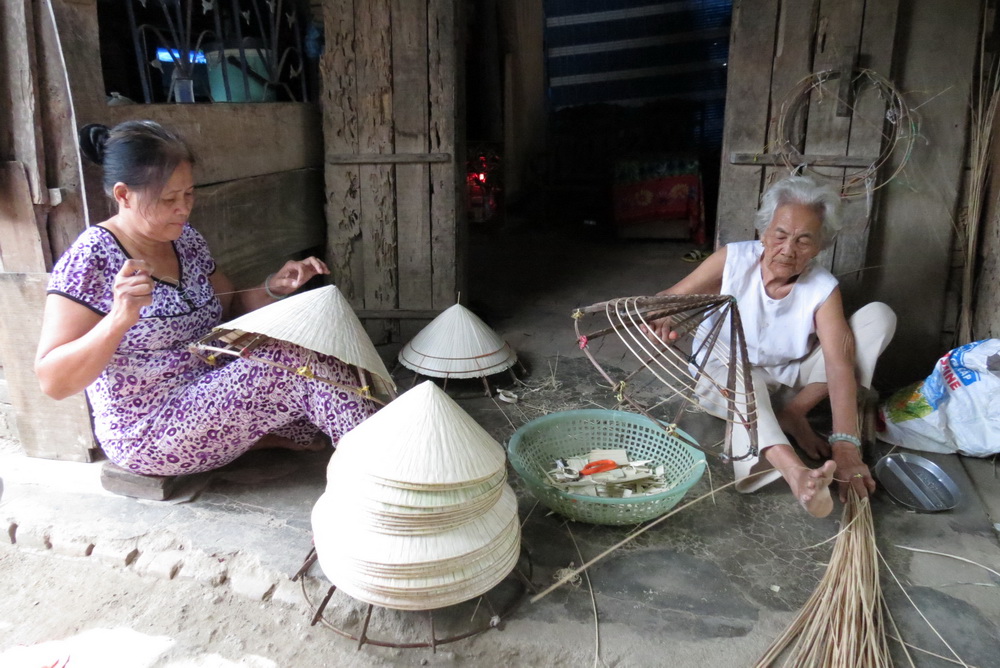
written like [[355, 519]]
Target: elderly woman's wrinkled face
[[791, 240]]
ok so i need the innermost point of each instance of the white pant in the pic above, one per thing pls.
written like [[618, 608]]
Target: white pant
[[873, 326]]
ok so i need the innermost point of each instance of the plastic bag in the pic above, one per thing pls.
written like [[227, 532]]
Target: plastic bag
[[955, 409]]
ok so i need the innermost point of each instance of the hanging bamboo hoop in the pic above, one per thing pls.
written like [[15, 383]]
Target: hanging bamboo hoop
[[688, 368], [900, 128]]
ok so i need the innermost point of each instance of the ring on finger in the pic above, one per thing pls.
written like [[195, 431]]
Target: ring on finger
[[858, 475]]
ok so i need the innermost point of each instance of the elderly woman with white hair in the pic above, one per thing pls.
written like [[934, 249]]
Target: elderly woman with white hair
[[797, 337]]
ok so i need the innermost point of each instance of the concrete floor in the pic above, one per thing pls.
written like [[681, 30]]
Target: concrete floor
[[715, 583]]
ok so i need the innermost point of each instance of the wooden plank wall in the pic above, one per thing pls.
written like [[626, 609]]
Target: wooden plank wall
[[391, 91], [816, 35]]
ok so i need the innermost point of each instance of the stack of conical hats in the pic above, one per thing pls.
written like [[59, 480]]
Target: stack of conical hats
[[417, 512], [457, 344], [321, 320]]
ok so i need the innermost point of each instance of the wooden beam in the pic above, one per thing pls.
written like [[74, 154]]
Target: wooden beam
[[413, 183], [67, 206], [373, 35], [46, 428], [748, 87], [18, 56], [795, 160], [388, 158], [340, 133], [442, 51]]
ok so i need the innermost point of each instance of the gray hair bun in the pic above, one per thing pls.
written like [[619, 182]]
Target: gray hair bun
[[93, 138]]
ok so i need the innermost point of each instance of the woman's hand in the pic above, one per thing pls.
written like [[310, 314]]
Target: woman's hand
[[661, 329], [132, 289], [294, 274], [851, 471]]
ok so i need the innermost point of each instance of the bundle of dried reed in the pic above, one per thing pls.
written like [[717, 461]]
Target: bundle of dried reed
[[986, 98], [843, 624]]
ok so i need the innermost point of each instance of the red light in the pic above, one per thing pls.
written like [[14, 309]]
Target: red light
[[482, 177]]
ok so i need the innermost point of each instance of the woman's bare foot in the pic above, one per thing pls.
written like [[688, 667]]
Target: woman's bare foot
[[797, 426], [812, 488]]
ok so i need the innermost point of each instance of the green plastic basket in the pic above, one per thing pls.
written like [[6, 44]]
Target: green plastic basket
[[534, 448]]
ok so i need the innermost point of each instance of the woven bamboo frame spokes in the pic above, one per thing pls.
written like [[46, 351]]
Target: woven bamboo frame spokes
[[677, 366], [235, 343]]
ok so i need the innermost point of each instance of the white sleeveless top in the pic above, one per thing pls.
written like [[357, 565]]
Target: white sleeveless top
[[780, 333]]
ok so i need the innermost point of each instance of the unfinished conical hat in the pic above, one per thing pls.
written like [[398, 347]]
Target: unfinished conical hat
[[423, 439], [457, 344], [319, 320]]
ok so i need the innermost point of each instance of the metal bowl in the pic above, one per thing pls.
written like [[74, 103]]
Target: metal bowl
[[916, 482]]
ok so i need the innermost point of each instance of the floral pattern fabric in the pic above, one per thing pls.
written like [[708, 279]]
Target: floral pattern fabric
[[158, 408]]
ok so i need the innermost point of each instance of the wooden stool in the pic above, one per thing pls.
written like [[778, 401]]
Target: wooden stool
[[153, 487]]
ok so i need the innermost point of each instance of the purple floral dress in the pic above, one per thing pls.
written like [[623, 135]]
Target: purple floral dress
[[161, 410]]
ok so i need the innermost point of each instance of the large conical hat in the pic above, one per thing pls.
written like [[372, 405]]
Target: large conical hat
[[421, 440], [319, 320], [457, 344]]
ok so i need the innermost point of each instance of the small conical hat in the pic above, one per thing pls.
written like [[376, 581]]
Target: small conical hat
[[421, 438], [457, 344], [319, 320]]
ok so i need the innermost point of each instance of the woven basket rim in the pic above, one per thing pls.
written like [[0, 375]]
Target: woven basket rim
[[601, 413]]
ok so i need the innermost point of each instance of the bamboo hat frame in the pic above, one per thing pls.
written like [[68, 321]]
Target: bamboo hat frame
[[687, 368]]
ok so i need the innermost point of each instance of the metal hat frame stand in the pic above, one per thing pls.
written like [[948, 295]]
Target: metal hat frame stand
[[519, 578], [679, 366]]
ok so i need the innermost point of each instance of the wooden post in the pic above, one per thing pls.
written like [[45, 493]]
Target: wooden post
[[340, 135], [441, 52], [410, 88]]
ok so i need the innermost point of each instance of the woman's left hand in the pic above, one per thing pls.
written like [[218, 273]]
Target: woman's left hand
[[851, 471], [294, 274]]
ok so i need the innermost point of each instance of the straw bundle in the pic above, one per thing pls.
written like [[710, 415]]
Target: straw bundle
[[703, 361], [320, 320], [842, 625], [417, 512], [457, 344]]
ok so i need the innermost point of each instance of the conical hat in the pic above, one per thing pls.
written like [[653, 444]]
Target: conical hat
[[421, 438], [457, 344], [319, 320]]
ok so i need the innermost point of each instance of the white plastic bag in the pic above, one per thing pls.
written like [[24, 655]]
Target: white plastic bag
[[955, 409]]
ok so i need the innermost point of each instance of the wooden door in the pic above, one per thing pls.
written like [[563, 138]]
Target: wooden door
[[394, 164]]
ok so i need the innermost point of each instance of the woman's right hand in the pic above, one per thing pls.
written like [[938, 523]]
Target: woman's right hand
[[661, 330], [133, 289]]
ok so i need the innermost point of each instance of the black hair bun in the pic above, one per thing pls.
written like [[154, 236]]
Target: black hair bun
[[93, 137]]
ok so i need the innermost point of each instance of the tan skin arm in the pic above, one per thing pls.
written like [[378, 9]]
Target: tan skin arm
[[837, 342], [706, 279], [292, 276], [76, 343]]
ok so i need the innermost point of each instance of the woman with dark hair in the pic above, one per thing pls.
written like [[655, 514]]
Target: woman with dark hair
[[798, 339], [132, 292]]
